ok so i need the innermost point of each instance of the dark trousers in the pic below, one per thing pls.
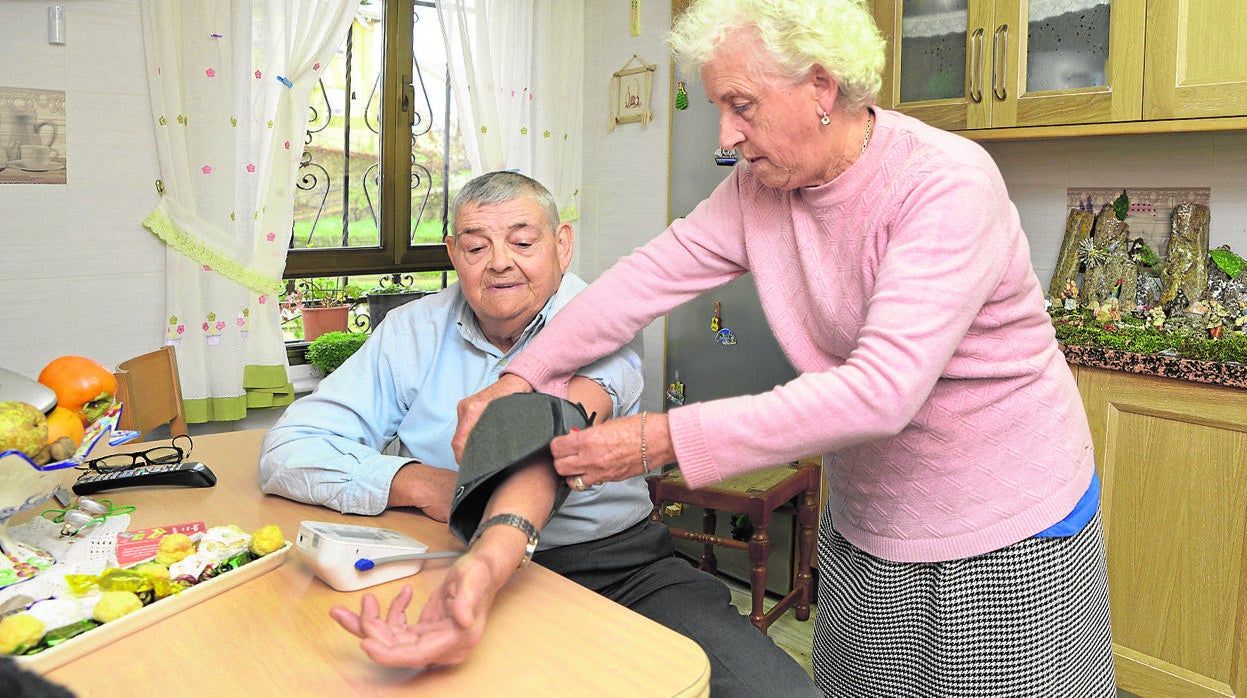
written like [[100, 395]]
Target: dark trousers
[[637, 568]]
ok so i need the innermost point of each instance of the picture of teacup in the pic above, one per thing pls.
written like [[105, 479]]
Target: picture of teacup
[[37, 155]]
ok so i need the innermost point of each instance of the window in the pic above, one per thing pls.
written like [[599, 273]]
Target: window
[[382, 160]]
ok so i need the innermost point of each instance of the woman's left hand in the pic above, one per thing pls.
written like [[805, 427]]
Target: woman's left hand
[[611, 451]]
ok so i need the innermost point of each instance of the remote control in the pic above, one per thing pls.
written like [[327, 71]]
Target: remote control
[[185, 474]]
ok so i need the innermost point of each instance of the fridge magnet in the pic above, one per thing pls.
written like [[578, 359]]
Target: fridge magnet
[[722, 335], [681, 96], [630, 92], [675, 392], [725, 157]]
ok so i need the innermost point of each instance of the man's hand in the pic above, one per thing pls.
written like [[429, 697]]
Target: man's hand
[[471, 407], [450, 626], [425, 487]]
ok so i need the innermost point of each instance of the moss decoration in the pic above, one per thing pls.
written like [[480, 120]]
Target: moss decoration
[[1080, 329], [1227, 262]]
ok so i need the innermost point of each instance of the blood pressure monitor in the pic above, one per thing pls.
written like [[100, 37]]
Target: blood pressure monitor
[[348, 557]]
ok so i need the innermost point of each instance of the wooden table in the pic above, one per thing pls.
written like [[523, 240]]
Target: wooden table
[[273, 635]]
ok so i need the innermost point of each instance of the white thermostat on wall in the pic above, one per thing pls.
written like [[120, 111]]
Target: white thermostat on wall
[[349, 557]]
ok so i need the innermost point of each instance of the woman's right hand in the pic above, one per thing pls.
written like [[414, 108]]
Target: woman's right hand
[[471, 407]]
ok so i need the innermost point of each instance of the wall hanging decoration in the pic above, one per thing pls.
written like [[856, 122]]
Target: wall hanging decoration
[[630, 92], [32, 136]]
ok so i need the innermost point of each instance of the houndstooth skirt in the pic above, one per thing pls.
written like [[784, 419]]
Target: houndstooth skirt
[[1031, 619]]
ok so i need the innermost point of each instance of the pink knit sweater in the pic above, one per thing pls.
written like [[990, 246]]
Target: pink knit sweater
[[903, 294]]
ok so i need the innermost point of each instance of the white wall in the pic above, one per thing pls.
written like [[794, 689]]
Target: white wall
[[78, 272], [624, 196]]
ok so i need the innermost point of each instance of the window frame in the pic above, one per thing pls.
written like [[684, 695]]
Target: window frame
[[395, 254]]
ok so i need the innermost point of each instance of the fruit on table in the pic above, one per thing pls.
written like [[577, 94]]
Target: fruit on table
[[22, 428], [56, 451], [62, 422], [19, 632], [115, 604], [82, 385]]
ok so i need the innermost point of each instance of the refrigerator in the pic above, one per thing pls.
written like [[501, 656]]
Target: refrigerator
[[718, 345]]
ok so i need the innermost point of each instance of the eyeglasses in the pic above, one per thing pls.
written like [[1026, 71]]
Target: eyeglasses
[[160, 455]]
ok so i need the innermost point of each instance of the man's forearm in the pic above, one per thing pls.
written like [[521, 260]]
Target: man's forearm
[[528, 492]]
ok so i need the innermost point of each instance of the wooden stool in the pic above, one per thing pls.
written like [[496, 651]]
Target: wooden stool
[[789, 488]]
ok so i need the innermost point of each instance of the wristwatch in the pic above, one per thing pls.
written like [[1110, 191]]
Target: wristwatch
[[511, 520]]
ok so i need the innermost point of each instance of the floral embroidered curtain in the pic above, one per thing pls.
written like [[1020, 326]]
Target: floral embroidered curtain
[[517, 72], [230, 84]]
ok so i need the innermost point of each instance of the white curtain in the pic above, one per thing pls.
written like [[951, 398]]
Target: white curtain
[[516, 67], [230, 84]]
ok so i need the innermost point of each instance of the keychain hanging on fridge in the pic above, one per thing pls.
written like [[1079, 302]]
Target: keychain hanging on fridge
[[722, 334]]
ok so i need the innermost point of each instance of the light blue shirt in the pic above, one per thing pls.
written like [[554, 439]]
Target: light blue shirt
[[405, 382]]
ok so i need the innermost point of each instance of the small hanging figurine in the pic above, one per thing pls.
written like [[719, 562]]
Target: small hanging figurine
[[722, 334], [681, 96]]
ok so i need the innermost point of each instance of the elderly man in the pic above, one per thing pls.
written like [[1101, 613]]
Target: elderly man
[[511, 255]]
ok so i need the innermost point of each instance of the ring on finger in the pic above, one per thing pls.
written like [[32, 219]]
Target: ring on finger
[[578, 484]]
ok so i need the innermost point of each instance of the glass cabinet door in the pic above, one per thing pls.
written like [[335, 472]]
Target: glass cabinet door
[[966, 64], [1066, 44], [933, 50], [1067, 61], [933, 57]]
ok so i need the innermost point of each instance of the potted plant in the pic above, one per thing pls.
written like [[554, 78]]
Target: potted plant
[[326, 306], [383, 299], [329, 350]]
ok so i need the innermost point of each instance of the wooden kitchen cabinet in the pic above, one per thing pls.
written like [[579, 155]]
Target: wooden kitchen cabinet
[[1172, 457], [1196, 62], [974, 64]]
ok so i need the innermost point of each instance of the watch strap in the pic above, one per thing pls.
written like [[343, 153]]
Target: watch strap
[[511, 520]]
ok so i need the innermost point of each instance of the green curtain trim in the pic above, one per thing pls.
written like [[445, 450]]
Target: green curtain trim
[[254, 376], [164, 228], [215, 409], [569, 214], [265, 386], [263, 399]]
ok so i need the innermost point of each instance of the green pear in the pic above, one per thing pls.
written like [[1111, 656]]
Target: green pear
[[22, 428]]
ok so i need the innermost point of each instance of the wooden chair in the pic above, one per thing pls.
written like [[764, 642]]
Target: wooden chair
[[150, 391], [792, 488]]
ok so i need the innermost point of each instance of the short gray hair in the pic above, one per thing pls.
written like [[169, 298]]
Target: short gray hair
[[839, 35], [503, 186]]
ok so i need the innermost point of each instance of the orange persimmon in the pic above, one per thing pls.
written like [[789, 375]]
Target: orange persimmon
[[82, 386], [63, 422]]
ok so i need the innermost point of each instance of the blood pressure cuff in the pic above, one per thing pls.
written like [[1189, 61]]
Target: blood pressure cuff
[[511, 430]]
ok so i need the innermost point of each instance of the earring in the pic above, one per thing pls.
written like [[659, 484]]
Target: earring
[[826, 119]]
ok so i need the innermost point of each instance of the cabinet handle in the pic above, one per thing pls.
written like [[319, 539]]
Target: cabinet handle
[[976, 66], [1000, 60]]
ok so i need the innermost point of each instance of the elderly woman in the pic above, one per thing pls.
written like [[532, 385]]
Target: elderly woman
[[961, 551]]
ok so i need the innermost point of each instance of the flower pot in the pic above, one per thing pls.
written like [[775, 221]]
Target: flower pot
[[381, 303], [318, 321]]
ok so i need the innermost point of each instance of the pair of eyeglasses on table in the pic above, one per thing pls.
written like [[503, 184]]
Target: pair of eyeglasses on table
[[157, 466], [177, 451]]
